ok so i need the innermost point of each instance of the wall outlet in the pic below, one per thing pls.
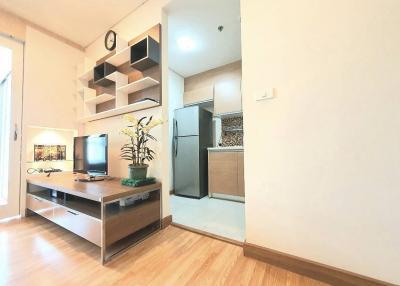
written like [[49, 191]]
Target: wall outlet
[[264, 94]]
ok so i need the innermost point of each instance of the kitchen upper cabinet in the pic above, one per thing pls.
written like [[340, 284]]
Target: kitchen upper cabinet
[[225, 173], [228, 96], [221, 84], [198, 95]]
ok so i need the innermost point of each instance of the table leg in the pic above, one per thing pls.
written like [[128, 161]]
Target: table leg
[[103, 236]]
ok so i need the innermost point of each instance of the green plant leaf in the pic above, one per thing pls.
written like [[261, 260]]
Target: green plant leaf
[[127, 158], [141, 119], [151, 137], [148, 121]]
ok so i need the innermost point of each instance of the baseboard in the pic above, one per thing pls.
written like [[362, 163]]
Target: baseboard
[[317, 271], [166, 221], [227, 197], [191, 229]]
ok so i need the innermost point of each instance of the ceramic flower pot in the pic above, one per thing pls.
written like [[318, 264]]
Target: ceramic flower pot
[[137, 172]]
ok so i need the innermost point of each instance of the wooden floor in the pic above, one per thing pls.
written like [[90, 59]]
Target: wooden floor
[[34, 251]]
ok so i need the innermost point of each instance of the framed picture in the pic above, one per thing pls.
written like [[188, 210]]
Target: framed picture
[[50, 152]]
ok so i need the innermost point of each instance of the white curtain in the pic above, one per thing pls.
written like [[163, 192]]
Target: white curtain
[[5, 109]]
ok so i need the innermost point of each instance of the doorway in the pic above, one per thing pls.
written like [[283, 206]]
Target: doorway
[[204, 54], [11, 80]]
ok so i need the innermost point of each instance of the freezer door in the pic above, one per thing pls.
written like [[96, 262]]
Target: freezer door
[[187, 121], [186, 166]]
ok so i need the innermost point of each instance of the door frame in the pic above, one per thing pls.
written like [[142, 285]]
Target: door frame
[[13, 208]]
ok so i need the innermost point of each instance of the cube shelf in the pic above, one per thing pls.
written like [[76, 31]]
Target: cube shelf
[[100, 73], [145, 54]]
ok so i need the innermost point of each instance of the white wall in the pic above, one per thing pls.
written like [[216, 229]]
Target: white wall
[[49, 89], [175, 92], [50, 81], [322, 159]]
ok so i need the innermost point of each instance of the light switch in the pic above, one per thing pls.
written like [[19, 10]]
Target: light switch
[[264, 94]]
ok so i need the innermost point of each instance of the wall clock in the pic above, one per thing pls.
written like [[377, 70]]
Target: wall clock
[[110, 40]]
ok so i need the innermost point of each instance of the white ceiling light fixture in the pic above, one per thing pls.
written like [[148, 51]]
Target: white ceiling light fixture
[[186, 44]]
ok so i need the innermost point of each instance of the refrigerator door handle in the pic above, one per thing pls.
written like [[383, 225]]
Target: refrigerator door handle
[[176, 137], [176, 146]]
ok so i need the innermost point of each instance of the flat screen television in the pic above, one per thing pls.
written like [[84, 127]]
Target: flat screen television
[[91, 154]]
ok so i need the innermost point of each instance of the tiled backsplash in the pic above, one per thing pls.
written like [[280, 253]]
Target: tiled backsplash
[[232, 131]]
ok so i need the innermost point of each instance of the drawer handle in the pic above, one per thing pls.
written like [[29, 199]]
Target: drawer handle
[[72, 213], [37, 199]]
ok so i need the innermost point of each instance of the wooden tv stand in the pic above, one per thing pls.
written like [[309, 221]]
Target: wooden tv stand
[[92, 209]]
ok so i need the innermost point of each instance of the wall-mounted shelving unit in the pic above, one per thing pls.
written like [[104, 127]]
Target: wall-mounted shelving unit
[[138, 85], [81, 90], [144, 104], [100, 99], [118, 77], [120, 57], [87, 92], [120, 83], [86, 76]]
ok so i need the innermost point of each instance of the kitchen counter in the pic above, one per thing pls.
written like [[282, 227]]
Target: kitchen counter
[[226, 149]]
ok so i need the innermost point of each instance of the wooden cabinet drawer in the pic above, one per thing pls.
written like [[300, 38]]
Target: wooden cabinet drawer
[[78, 223], [40, 206]]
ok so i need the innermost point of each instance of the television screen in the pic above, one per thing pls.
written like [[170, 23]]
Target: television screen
[[91, 155]]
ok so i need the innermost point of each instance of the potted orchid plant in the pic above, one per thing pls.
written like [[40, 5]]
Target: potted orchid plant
[[137, 150]]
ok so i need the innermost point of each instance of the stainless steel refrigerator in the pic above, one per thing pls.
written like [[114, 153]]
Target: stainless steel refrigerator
[[192, 137]]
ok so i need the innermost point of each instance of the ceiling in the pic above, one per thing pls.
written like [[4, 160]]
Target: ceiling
[[198, 21], [80, 21]]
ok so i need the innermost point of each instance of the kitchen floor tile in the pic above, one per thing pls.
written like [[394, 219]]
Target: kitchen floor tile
[[216, 216]]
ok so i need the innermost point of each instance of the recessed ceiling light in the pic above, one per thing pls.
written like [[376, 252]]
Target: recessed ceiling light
[[186, 44]]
